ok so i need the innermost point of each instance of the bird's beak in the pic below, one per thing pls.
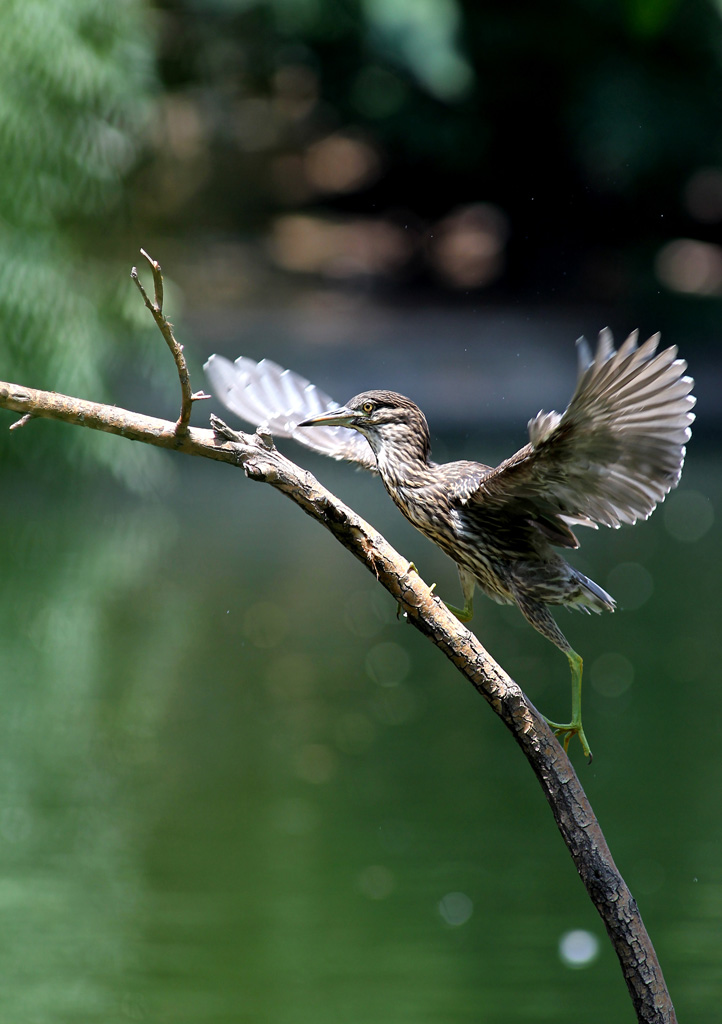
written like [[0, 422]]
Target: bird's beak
[[342, 417]]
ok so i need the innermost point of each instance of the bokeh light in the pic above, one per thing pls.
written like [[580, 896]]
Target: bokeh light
[[455, 908], [688, 516], [376, 882], [388, 663], [630, 584], [578, 948], [341, 163], [348, 248], [689, 266], [611, 674], [467, 247]]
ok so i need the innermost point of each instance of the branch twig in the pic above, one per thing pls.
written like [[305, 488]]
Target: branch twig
[[18, 424], [261, 461], [165, 327]]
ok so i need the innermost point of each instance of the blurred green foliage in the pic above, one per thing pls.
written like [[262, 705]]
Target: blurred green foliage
[[75, 82]]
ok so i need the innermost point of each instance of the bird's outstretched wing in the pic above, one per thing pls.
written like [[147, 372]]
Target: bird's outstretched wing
[[264, 394], [615, 452]]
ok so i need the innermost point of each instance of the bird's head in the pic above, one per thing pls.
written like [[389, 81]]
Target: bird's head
[[385, 418]]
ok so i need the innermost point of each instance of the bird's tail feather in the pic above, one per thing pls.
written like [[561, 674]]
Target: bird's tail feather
[[592, 597]]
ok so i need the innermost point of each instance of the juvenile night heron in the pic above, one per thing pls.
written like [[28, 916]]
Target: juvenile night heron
[[615, 452]]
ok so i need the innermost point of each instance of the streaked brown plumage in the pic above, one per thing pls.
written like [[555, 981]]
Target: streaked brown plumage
[[609, 459]]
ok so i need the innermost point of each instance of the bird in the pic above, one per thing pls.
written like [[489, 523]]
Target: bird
[[609, 459]]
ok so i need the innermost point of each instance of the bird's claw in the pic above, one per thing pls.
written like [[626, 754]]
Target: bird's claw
[[564, 734], [411, 567]]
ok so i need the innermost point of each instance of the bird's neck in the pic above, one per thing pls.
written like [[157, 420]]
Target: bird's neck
[[404, 461]]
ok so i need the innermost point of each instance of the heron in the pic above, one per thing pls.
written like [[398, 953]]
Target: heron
[[609, 459]]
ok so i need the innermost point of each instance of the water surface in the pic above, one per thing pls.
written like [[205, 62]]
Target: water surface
[[235, 788]]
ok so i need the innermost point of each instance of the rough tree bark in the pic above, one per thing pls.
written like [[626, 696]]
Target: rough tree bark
[[260, 460]]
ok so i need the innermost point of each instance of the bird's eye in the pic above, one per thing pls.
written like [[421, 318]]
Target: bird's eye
[[368, 407]]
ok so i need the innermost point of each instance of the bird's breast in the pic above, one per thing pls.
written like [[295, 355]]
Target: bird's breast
[[425, 507]]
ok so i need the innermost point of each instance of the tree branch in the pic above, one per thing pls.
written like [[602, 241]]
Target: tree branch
[[261, 461]]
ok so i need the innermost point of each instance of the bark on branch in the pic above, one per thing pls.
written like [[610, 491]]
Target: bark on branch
[[261, 461]]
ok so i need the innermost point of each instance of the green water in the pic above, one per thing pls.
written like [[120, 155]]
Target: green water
[[234, 788]]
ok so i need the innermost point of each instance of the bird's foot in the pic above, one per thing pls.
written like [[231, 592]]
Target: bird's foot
[[411, 568], [565, 732], [464, 614], [400, 613]]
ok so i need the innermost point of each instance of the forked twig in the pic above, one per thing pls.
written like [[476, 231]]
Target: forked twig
[[165, 327]]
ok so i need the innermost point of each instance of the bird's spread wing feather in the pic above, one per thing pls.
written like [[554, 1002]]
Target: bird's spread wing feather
[[264, 394], [618, 448]]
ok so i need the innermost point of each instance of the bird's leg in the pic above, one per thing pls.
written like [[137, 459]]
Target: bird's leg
[[542, 619], [468, 583], [573, 728]]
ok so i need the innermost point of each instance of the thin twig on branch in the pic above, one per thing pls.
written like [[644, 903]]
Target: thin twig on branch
[[165, 327], [21, 422], [261, 461]]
